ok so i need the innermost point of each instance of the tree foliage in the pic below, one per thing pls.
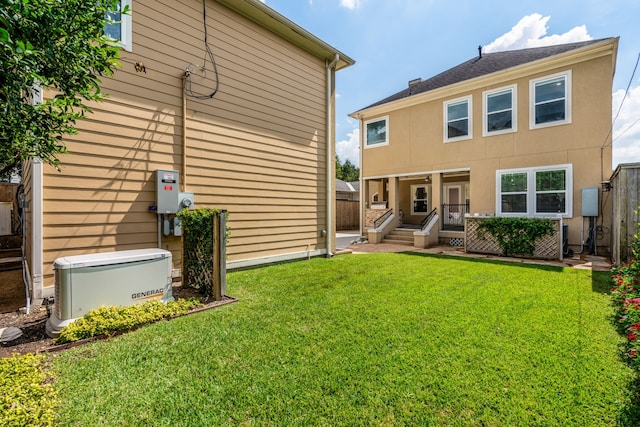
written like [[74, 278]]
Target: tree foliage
[[347, 171], [61, 46]]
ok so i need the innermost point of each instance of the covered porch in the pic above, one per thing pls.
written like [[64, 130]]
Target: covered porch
[[431, 205]]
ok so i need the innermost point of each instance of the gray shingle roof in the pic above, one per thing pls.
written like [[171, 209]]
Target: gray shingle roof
[[480, 66], [343, 186]]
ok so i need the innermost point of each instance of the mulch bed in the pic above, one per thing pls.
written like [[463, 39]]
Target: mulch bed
[[35, 340]]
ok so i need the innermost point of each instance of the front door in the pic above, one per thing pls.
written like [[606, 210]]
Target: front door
[[453, 196]]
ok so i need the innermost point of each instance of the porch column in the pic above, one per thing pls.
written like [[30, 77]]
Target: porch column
[[364, 204], [394, 199], [436, 195]]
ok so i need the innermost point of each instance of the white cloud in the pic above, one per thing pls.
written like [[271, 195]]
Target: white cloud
[[351, 4], [531, 31], [349, 148], [626, 129]]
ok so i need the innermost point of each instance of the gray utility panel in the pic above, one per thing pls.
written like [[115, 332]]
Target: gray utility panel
[[167, 191]]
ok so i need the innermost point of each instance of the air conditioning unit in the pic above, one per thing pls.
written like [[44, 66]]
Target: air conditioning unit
[[87, 282]]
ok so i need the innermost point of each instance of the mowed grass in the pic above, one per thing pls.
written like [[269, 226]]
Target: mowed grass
[[378, 339]]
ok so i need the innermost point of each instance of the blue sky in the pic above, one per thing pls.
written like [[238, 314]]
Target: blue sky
[[394, 41]]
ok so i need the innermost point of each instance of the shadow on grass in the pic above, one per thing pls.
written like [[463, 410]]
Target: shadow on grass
[[489, 261], [601, 282], [630, 414]]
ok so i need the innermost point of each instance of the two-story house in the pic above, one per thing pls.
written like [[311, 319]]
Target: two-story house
[[514, 133], [235, 98]]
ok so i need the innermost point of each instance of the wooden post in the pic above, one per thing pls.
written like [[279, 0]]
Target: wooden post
[[219, 255]]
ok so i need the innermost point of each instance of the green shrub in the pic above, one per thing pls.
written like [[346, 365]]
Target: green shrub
[[25, 398], [198, 247], [626, 298], [107, 320], [515, 235]]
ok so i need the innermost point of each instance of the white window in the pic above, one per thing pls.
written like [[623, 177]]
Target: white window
[[457, 119], [376, 132], [543, 191], [550, 100], [119, 27], [419, 200], [499, 111]]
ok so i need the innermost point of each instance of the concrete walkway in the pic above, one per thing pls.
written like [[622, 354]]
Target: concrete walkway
[[580, 261], [344, 238]]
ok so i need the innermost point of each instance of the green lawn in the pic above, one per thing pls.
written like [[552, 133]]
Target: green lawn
[[379, 339]]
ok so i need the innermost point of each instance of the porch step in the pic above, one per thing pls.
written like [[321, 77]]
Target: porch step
[[10, 263], [399, 237]]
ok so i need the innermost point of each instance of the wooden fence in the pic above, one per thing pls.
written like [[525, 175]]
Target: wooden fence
[[625, 188], [8, 192], [347, 215], [9, 220]]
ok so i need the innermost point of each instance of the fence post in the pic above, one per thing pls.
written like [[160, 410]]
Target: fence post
[[220, 255]]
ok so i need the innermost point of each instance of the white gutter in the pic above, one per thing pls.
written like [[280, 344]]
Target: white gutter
[[330, 159], [363, 200]]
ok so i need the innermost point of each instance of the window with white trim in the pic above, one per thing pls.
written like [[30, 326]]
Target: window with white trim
[[376, 132], [419, 200], [499, 108], [119, 26], [458, 123], [541, 191], [550, 100]]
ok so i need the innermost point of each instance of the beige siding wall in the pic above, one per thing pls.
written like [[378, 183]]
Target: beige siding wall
[[256, 149], [416, 140]]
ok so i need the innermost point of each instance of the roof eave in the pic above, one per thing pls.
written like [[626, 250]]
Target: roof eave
[[596, 50], [268, 18]]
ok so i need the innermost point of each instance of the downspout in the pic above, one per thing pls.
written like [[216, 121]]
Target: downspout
[[330, 160], [37, 240], [364, 199]]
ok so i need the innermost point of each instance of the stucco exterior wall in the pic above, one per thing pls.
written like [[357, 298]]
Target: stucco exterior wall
[[416, 136]]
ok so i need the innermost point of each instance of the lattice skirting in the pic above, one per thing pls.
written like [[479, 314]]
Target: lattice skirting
[[456, 241], [451, 241], [547, 247]]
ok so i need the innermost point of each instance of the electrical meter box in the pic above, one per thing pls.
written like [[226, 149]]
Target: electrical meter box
[[167, 194], [590, 202]]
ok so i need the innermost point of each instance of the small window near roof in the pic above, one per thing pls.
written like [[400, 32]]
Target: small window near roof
[[499, 111], [551, 100], [376, 132], [119, 26], [457, 119]]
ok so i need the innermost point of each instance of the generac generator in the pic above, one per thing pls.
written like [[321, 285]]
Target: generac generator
[[87, 282]]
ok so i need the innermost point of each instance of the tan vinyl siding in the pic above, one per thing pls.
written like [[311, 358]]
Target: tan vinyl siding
[[257, 149]]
